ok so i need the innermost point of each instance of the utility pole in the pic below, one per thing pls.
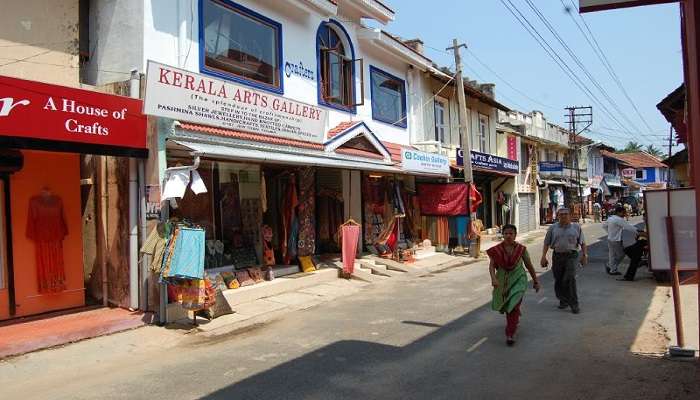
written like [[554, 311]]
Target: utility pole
[[582, 116], [465, 140]]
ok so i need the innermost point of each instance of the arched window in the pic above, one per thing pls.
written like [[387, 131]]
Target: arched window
[[336, 67]]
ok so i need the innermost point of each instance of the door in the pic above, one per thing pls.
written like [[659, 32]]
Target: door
[[4, 290]]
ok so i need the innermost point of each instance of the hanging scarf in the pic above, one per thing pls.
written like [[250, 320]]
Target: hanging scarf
[[503, 259]]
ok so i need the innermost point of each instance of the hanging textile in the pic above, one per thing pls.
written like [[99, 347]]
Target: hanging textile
[[268, 252], [251, 219], [47, 228], [230, 206], [462, 231], [443, 232], [307, 211], [447, 199], [350, 235], [155, 245], [187, 258], [289, 204], [195, 294], [263, 193]]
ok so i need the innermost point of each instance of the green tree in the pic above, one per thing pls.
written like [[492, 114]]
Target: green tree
[[654, 151], [632, 147]]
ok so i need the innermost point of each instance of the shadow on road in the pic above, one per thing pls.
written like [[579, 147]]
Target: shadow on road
[[558, 354]]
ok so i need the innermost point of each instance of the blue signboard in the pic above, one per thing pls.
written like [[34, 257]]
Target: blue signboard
[[551, 166], [489, 162]]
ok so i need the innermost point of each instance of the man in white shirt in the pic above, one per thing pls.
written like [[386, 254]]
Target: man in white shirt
[[615, 226]]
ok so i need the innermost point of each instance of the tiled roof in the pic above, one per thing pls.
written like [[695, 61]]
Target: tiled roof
[[639, 159], [342, 127], [359, 153], [578, 139], [394, 149], [255, 137]]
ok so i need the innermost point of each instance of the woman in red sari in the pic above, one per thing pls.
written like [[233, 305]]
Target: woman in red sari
[[509, 259]]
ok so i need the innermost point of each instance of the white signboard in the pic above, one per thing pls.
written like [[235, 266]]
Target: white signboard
[[186, 96], [629, 172], [598, 5], [420, 161], [684, 228]]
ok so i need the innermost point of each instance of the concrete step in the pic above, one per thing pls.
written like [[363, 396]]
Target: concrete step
[[367, 275], [279, 285], [390, 264], [376, 269]]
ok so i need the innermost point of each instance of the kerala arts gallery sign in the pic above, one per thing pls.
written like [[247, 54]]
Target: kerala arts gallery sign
[[187, 96]]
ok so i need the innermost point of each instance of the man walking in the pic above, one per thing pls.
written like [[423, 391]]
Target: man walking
[[566, 240], [615, 225], [622, 240]]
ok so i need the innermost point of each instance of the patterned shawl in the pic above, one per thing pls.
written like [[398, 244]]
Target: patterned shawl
[[504, 260]]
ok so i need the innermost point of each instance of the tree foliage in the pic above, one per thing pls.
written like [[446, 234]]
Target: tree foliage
[[632, 147], [654, 151]]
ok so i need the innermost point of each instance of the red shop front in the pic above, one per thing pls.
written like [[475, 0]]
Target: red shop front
[[44, 131]]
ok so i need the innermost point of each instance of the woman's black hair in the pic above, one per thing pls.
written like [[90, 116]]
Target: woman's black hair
[[509, 226]]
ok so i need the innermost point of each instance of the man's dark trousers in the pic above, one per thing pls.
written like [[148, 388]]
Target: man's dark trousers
[[564, 270], [634, 252]]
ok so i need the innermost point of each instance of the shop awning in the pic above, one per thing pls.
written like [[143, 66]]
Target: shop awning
[[273, 155]]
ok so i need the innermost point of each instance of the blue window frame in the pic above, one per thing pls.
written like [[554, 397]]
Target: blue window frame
[[388, 97], [335, 58], [240, 45]]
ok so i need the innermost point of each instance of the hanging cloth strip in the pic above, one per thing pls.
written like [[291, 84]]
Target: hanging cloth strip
[[187, 257]]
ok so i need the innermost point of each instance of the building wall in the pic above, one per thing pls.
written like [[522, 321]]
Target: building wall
[[171, 36], [115, 34], [39, 41]]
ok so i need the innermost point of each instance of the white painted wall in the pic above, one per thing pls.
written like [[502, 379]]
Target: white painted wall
[[171, 36]]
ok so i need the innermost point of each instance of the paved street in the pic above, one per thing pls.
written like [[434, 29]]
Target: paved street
[[428, 337]]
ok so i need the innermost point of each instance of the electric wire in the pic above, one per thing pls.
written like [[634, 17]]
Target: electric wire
[[580, 64], [534, 33], [561, 63], [598, 50]]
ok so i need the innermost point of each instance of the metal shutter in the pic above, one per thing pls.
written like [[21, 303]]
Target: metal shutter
[[526, 212]]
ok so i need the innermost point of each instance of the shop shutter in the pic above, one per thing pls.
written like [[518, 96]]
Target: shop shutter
[[526, 213]]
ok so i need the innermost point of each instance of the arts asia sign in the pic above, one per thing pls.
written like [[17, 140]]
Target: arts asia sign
[[187, 96], [489, 162], [35, 110], [421, 161]]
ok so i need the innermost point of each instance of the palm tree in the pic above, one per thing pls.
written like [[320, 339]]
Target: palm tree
[[632, 147], [654, 151]]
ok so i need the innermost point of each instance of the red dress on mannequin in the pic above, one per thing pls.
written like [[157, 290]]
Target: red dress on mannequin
[[47, 228]]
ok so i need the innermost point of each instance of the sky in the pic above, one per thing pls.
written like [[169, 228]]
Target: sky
[[642, 46]]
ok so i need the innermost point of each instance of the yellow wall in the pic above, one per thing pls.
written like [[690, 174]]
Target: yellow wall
[[39, 41]]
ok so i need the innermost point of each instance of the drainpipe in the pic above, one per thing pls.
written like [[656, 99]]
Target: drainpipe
[[146, 260], [104, 203], [134, 89]]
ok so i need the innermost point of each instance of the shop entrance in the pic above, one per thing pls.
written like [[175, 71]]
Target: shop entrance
[[41, 254]]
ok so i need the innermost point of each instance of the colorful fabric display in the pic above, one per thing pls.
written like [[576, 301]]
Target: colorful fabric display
[[306, 244], [187, 259]]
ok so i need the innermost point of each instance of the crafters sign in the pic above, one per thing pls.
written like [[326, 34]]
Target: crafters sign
[[187, 96], [34, 110]]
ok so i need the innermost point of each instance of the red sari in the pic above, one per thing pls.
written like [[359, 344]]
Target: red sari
[[47, 228]]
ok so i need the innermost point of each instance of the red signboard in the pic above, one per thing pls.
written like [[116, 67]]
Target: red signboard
[[512, 148], [32, 112]]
